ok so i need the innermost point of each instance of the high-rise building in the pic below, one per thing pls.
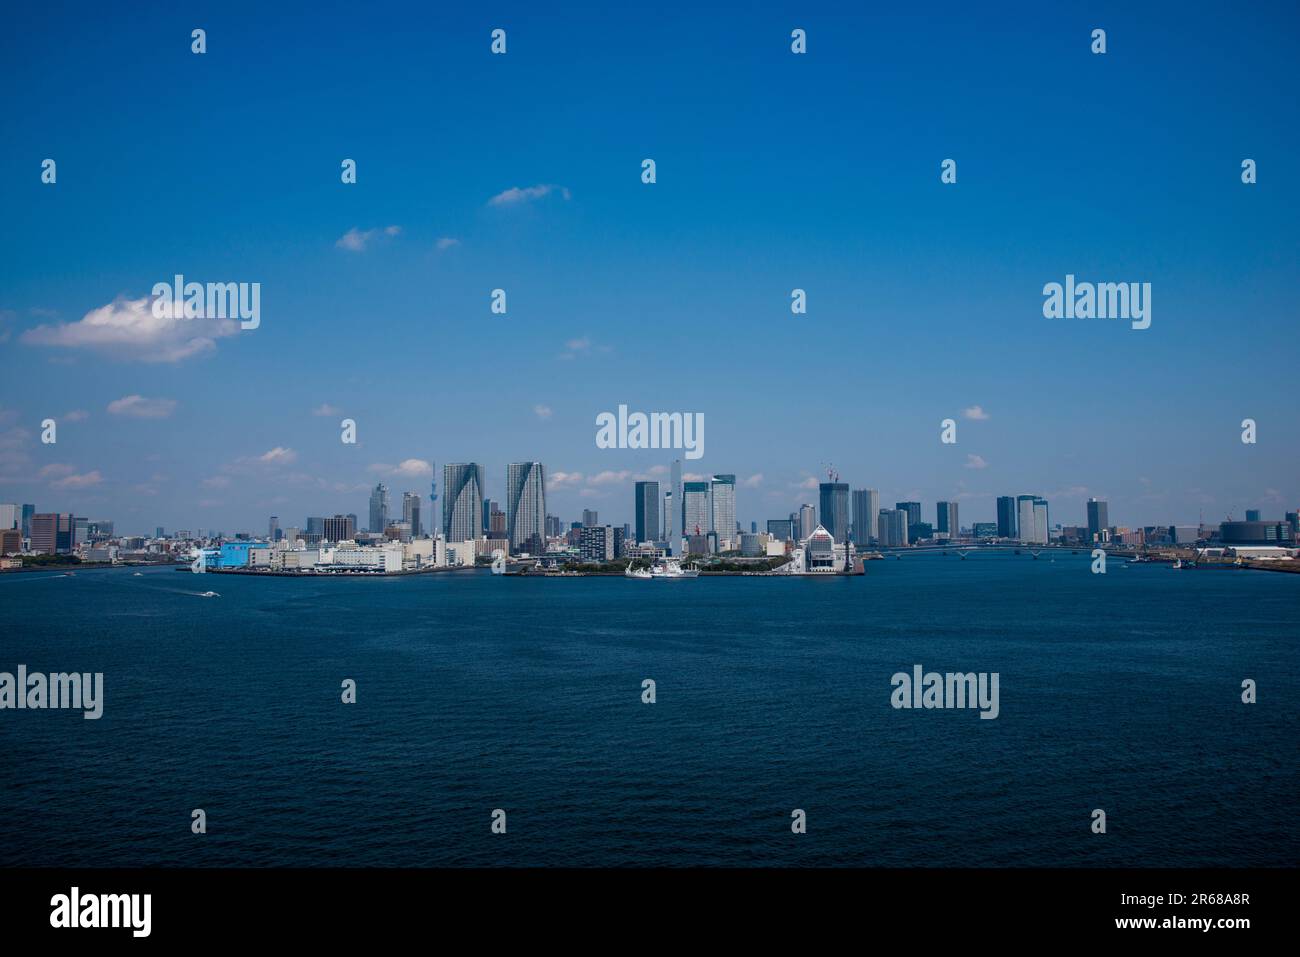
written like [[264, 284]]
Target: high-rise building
[[946, 521], [678, 515], [667, 514], [462, 503], [315, 525], [1008, 517], [488, 507], [433, 498], [340, 528], [379, 508], [11, 541], [11, 516], [913, 510], [52, 532], [891, 527], [1031, 516], [411, 512], [697, 517], [807, 521], [273, 529], [28, 512], [646, 505], [1252, 515], [866, 510], [835, 509], [597, 543], [554, 527], [722, 502], [589, 517], [782, 529], [1098, 520], [526, 507]]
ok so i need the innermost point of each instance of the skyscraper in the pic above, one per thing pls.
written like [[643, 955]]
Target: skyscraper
[[1008, 519], [1098, 520], [11, 516], [340, 528], [411, 512], [696, 514], [526, 507], [947, 518], [678, 516], [647, 511], [722, 502], [891, 526], [590, 517], [866, 510], [835, 510], [462, 502], [379, 508], [1031, 516], [913, 510], [28, 512], [807, 521], [51, 532]]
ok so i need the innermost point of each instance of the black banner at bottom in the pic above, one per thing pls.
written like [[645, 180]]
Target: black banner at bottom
[[333, 906]]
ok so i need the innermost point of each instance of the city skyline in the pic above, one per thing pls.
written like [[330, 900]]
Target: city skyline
[[376, 296]]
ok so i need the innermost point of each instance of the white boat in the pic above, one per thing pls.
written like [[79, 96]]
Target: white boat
[[1178, 563], [209, 594], [668, 568]]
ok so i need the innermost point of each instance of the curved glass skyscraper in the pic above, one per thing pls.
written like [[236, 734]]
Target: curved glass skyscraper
[[462, 501], [526, 507]]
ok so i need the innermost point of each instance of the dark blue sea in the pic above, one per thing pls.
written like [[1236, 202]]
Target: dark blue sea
[[1119, 691]]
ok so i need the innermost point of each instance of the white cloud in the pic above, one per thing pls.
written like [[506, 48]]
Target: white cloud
[[609, 477], [325, 409], [138, 407], [446, 242], [128, 329], [809, 482], [976, 462], [558, 480], [542, 411], [85, 480], [355, 240], [76, 415], [278, 456], [515, 195], [55, 469], [975, 412], [407, 468], [754, 481]]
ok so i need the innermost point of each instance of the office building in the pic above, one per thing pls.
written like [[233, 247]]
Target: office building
[[946, 519], [411, 512], [52, 532], [781, 529], [590, 517], [891, 527], [697, 516], [833, 512], [526, 507], [11, 516], [646, 504], [1008, 517], [1098, 520], [340, 528], [866, 511], [722, 504], [807, 521], [379, 508], [678, 524]]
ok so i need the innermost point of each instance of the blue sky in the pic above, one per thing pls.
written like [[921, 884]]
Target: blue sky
[[775, 171]]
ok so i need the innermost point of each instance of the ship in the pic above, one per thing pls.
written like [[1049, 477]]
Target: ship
[[667, 568]]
